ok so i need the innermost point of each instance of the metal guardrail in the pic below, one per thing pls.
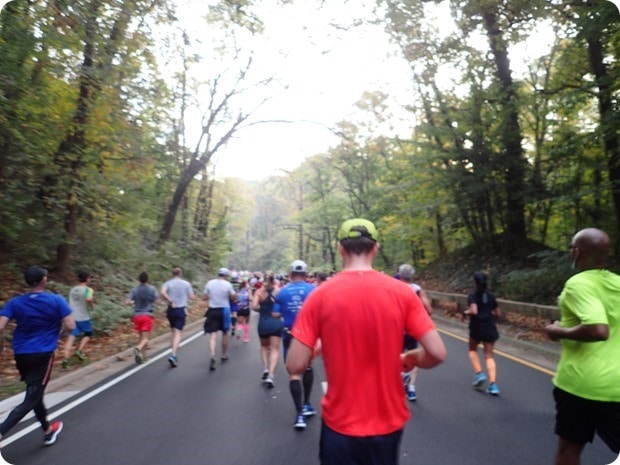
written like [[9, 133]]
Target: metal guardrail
[[548, 312]]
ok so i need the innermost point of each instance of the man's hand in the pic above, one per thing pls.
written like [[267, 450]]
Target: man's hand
[[554, 330]]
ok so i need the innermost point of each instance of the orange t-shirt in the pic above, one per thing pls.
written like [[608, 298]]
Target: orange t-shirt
[[360, 317]]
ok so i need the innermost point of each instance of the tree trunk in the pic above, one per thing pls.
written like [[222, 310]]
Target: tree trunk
[[514, 162], [608, 127], [70, 151], [179, 193]]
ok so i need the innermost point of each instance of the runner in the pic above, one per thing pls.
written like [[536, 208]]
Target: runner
[[405, 274], [40, 316], [217, 293], [81, 300], [142, 297], [364, 410], [177, 292], [243, 312], [482, 310], [269, 328], [288, 303], [587, 380]]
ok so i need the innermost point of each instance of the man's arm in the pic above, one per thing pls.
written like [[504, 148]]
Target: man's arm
[[163, 292], [298, 357], [90, 299], [581, 332], [68, 324], [426, 302], [431, 353]]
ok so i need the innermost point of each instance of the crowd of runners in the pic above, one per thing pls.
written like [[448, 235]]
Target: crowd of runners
[[302, 314]]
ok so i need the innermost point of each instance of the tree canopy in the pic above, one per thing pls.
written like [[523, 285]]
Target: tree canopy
[[110, 127]]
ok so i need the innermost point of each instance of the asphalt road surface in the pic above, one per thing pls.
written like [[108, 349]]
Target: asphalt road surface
[[157, 415]]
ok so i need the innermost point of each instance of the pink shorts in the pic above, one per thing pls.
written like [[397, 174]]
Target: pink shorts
[[142, 322]]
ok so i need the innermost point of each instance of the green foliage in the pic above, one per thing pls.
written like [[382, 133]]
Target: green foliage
[[94, 145], [542, 284]]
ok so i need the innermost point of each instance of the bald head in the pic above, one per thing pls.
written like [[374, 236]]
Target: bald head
[[590, 248]]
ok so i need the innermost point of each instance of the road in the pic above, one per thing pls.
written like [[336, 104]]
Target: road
[[154, 414]]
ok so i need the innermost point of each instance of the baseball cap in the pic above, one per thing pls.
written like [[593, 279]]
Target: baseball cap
[[223, 272], [358, 227], [34, 275], [299, 266]]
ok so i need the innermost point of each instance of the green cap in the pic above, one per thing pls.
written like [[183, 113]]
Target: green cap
[[358, 227]]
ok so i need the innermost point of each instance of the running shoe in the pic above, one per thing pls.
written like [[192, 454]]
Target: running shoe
[[50, 438], [493, 389], [65, 363], [269, 382], [300, 423], [479, 380], [225, 358], [308, 410], [411, 395], [80, 355], [265, 374], [212, 365], [138, 355], [246, 339], [173, 360]]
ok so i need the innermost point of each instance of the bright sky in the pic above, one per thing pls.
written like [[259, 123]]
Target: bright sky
[[327, 70]]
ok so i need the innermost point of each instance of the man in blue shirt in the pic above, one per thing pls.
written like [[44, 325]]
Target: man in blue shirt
[[40, 316], [288, 303]]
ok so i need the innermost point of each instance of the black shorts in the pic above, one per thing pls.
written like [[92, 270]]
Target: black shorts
[[35, 368], [243, 312], [484, 332], [176, 317], [339, 449], [409, 343], [215, 320], [577, 419]]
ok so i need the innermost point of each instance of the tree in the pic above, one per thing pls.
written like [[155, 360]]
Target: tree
[[234, 94]]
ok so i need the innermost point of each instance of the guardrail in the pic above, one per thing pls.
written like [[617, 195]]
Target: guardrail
[[548, 312]]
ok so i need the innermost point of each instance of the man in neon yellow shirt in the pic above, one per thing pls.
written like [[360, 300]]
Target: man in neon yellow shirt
[[587, 382]]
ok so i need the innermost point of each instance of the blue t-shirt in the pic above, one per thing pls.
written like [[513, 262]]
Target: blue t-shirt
[[39, 318], [290, 299]]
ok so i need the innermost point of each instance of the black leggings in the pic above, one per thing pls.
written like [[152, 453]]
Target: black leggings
[[35, 370]]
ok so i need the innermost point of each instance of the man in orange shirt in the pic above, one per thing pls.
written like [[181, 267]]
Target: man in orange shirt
[[363, 426]]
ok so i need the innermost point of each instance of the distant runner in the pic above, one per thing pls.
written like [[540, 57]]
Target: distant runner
[[288, 303]]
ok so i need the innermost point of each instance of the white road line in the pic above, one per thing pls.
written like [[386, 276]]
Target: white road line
[[36, 426]]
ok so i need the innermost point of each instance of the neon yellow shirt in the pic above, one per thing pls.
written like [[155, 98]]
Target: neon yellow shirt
[[591, 369]]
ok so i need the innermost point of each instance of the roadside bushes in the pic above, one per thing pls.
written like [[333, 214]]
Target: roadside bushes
[[541, 285]]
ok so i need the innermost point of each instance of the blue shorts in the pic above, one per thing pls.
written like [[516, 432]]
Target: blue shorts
[[176, 317], [339, 449], [85, 327]]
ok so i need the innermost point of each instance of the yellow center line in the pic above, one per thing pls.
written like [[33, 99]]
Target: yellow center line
[[504, 354]]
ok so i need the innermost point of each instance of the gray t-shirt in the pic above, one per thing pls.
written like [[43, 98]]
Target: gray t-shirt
[[179, 291], [219, 292], [78, 301], [143, 296]]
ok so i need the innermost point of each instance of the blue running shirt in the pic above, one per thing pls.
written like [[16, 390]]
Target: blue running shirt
[[290, 299]]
